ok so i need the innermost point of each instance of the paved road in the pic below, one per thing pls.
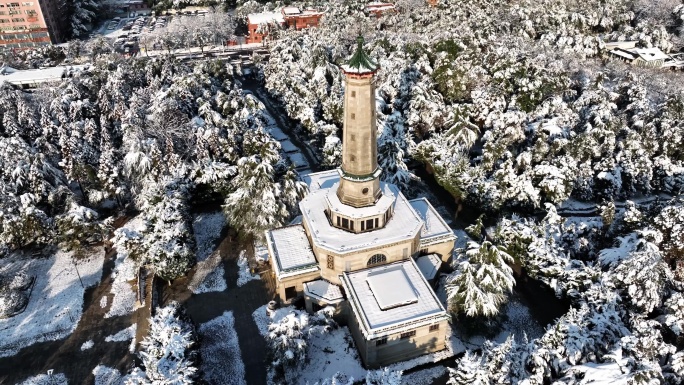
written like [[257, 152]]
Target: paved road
[[242, 301]]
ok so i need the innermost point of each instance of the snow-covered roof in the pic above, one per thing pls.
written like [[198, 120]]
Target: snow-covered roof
[[379, 208], [429, 265], [624, 53], [403, 293], [324, 290], [421, 305], [290, 250], [404, 224], [649, 54], [323, 179], [291, 11], [43, 75], [435, 226], [265, 18]]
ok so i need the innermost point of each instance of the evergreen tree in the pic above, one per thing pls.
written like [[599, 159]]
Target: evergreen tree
[[481, 282]]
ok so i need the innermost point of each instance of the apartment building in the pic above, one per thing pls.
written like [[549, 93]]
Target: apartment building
[[25, 24]]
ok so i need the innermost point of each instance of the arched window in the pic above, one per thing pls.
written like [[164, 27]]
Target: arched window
[[376, 260]]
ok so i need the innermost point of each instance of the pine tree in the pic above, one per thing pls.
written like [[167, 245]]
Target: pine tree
[[469, 371], [479, 285], [167, 353]]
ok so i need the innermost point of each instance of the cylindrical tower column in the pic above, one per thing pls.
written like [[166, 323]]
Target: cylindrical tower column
[[359, 173]]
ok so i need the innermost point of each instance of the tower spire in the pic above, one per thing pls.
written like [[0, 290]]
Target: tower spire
[[359, 173]]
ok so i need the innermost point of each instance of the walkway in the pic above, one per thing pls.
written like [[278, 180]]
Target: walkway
[[242, 301]]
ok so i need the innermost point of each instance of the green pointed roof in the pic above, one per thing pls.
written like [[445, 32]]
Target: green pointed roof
[[360, 62]]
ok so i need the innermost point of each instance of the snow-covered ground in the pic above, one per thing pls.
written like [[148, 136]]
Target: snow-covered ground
[[424, 376], [519, 322], [207, 228], [335, 352], [244, 273], [56, 302], [87, 345], [214, 281], [44, 379], [127, 334], [124, 298], [105, 375], [220, 351]]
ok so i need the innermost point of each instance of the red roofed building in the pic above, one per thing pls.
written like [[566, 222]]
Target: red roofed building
[[258, 24]]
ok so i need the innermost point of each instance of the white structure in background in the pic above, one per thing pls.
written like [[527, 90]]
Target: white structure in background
[[362, 246], [647, 57], [32, 78]]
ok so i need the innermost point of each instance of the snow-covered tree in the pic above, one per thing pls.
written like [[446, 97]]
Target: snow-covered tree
[[168, 351], [481, 282]]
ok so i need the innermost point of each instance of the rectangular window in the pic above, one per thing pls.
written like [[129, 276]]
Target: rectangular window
[[408, 335], [369, 224], [434, 327], [363, 225], [12, 4], [381, 341], [351, 225], [345, 223], [353, 115], [31, 12], [353, 94], [27, 4], [376, 222], [405, 251], [338, 222], [18, 20], [331, 262]]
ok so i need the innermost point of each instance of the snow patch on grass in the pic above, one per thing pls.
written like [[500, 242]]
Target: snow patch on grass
[[87, 345], [124, 298], [44, 379], [244, 273], [328, 354], [207, 228], [213, 281], [519, 322], [56, 302], [105, 375], [423, 377], [125, 335], [220, 351]]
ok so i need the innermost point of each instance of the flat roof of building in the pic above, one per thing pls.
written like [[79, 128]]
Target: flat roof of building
[[403, 225], [324, 290], [265, 18], [320, 180], [290, 250], [42, 75], [435, 226], [415, 303], [429, 265]]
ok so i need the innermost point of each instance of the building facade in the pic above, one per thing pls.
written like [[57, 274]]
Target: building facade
[[259, 24], [362, 247], [25, 24]]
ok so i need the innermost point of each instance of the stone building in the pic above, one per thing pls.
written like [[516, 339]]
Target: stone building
[[362, 246], [25, 24]]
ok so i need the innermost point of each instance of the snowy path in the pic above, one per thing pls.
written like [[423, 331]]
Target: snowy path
[[298, 151], [240, 301]]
